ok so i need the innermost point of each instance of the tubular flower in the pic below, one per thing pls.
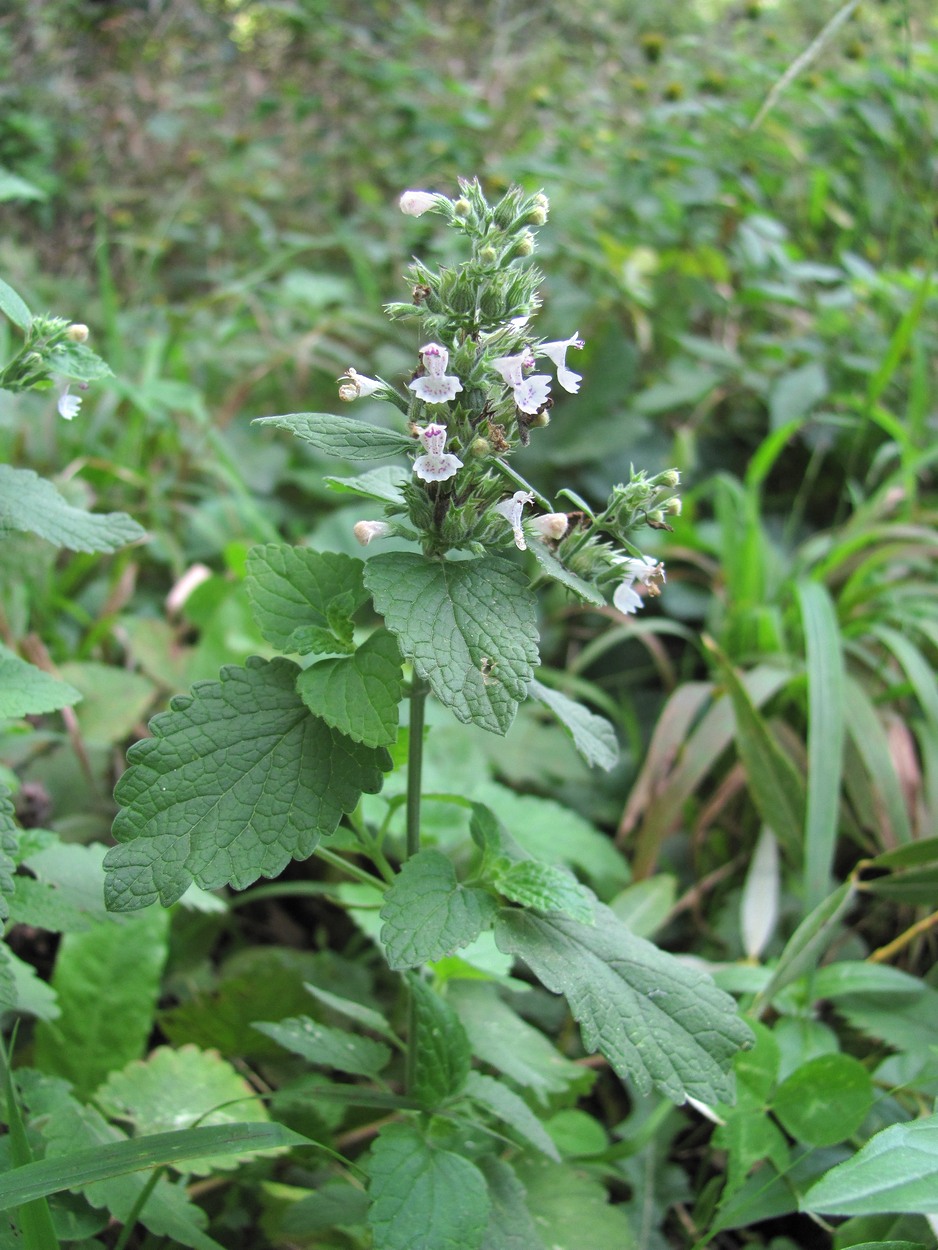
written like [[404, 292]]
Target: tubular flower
[[356, 385], [557, 352], [434, 387], [550, 525], [416, 203], [648, 572], [68, 405], [435, 465], [365, 531], [511, 510], [530, 393]]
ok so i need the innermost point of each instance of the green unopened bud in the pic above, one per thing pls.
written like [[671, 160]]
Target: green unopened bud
[[670, 477], [525, 245], [541, 200], [488, 256], [78, 333], [480, 447], [537, 216], [462, 208], [542, 418], [655, 518], [673, 506]]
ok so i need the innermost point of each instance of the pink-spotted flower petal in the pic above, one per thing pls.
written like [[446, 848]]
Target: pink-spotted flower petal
[[435, 465], [435, 386]]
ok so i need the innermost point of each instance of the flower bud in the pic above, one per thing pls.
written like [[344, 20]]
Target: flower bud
[[551, 525], [365, 531], [673, 506], [525, 244], [78, 333], [542, 418], [670, 477], [462, 208], [480, 447], [537, 216], [488, 255], [416, 203]]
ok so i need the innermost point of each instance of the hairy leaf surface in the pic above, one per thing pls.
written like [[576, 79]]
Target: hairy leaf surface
[[468, 626], [657, 1022], [427, 913], [303, 601], [238, 779], [30, 503]]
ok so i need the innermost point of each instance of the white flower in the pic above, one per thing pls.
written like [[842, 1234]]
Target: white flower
[[645, 570], [511, 510], [550, 525], [436, 465], [416, 203], [365, 531], [557, 352], [68, 405], [434, 387], [530, 393], [626, 599], [355, 385]]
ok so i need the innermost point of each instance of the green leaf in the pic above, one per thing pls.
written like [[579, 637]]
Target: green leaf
[[658, 1022], [9, 845], [511, 1225], [749, 1134], [427, 913], [238, 779], [796, 393], [365, 1016], [826, 729], [78, 363], [342, 437], [571, 1209], [423, 1197], [303, 601], [807, 944], [644, 906], [592, 735], [383, 485], [560, 573], [84, 1046], [87, 1154], [825, 1100], [10, 302], [500, 1038], [327, 1047], [777, 787], [63, 892], [545, 887], [442, 1054], [359, 694], [895, 1172], [468, 626], [28, 691], [31, 504], [177, 1089], [869, 736], [509, 1107], [113, 700]]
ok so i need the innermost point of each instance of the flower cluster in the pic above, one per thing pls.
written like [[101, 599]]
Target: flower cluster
[[476, 396]]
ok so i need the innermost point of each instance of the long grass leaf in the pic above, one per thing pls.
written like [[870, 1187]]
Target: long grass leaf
[[825, 669], [84, 1167], [35, 1218], [869, 737], [699, 755], [775, 784]]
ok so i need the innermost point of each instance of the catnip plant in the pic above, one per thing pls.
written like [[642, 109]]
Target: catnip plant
[[277, 759]]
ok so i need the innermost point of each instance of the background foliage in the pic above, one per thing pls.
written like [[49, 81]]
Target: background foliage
[[210, 187]]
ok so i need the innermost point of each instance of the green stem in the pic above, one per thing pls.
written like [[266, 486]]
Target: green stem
[[418, 700], [131, 1221]]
